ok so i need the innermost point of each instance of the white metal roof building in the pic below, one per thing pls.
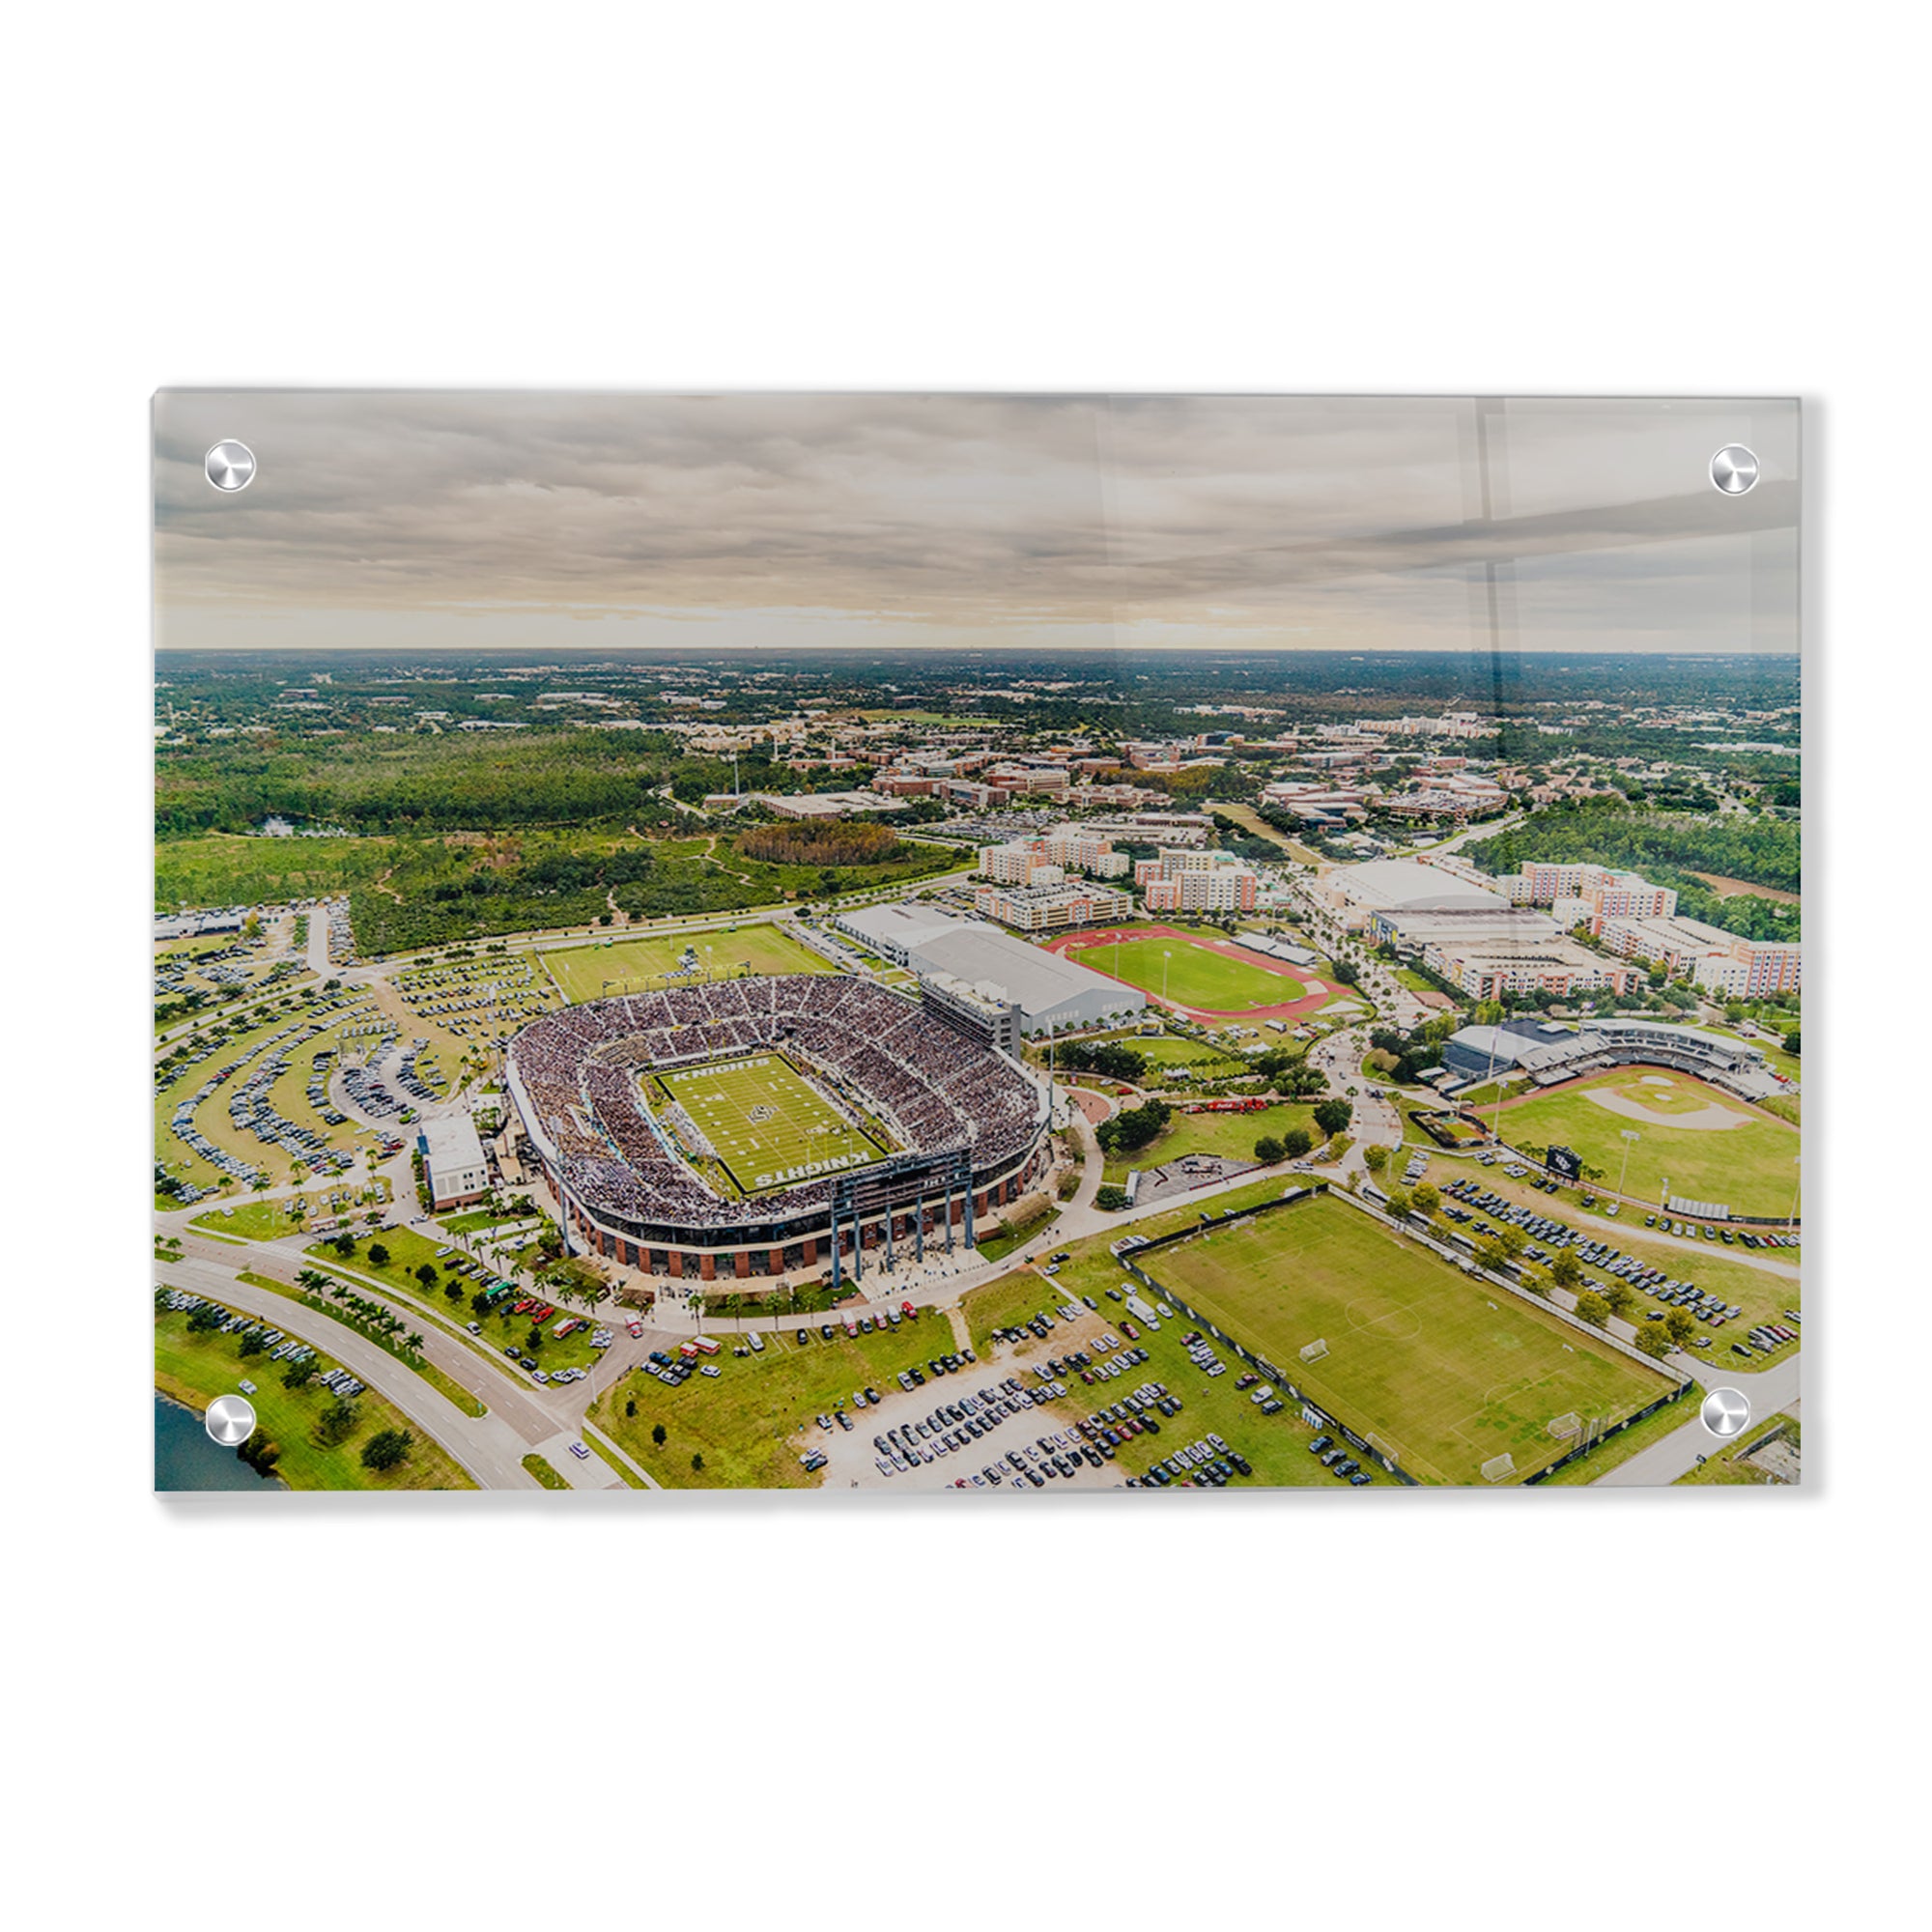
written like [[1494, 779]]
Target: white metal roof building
[[1049, 991], [453, 1163]]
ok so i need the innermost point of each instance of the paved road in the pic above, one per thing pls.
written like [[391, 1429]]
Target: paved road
[[1769, 1392], [486, 1447]]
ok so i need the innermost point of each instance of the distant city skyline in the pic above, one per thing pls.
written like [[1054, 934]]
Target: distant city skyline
[[422, 521]]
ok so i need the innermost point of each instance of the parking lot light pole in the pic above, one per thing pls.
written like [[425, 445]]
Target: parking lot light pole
[[1790, 1219]]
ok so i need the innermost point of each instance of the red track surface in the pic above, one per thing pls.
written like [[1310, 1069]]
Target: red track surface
[[1317, 996]]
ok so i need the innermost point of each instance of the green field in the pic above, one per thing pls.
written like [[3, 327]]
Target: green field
[[640, 965], [194, 1368], [1749, 1166], [767, 1126], [1232, 1135], [751, 1423], [1192, 975], [1447, 1371]]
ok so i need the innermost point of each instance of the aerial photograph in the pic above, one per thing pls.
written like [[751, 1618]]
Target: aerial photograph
[[983, 944]]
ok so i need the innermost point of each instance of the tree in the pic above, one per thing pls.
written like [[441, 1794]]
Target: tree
[[479, 1304], [343, 1244], [630, 1406], [1489, 1253], [1428, 1198], [1653, 1338], [1680, 1325], [697, 1463], [1591, 1307], [1111, 1197], [336, 1424], [1400, 1202], [1375, 1158], [1304, 1080], [387, 1448], [1269, 1150], [379, 1255], [426, 1274], [452, 1290], [252, 1343], [533, 1341], [1512, 1239], [658, 1433], [1333, 1116], [1620, 1297], [299, 1375], [1566, 1270], [1297, 1142]]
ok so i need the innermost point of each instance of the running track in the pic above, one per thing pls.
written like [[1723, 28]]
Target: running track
[[1312, 1001]]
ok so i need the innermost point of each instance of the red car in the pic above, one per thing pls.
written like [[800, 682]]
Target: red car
[[543, 1314], [906, 1308]]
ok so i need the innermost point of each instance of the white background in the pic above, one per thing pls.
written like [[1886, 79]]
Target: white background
[[1563, 1710]]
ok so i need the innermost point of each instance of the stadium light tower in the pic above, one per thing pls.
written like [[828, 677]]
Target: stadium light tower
[[1630, 1138]]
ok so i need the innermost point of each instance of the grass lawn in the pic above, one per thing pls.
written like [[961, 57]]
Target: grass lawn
[[1206, 1061], [1621, 1447], [1749, 1165], [993, 1247], [1230, 1134], [1448, 1371], [1190, 971], [195, 1368], [252, 1220], [633, 965], [1727, 1468], [626, 1475], [543, 1472], [765, 1123], [753, 1422]]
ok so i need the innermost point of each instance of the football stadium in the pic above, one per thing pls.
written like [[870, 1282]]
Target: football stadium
[[757, 1126]]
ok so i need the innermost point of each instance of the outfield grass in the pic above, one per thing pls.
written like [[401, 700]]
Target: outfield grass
[[756, 1419], [1193, 975], [1232, 1135], [638, 965], [1749, 1166], [1448, 1371], [195, 1368]]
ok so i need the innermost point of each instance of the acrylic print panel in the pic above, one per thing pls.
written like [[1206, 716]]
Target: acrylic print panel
[[994, 943]]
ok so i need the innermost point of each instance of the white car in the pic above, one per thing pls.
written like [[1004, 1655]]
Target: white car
[[582, 1454]]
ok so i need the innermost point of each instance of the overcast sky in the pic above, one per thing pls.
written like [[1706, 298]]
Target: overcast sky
[[417, 519]]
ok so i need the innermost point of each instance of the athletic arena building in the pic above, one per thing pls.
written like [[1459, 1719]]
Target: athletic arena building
[[966, 1124]]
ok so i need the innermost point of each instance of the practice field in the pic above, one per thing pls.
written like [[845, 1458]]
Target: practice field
[[1202, 975], [766, 1125], [1448, 1371], [1709, 1146], [642, 965]]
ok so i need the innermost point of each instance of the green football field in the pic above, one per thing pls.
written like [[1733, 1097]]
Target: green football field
[[766, 1125], [1193, 975], [640, 965], [1707, 1145], [1447, 1371]]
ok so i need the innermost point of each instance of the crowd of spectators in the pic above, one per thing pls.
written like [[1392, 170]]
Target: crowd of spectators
[[575, 1073]]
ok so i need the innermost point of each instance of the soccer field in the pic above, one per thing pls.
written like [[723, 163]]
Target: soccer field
[[1445, 1371], [767, 1126], [640, 965], [1191, 972], [1707, 1145]]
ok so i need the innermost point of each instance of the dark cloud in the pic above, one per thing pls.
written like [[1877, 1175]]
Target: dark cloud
[[418, 518]]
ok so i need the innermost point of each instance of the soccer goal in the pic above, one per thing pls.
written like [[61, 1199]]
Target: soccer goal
[[1500, 1467], [1315, 1351], [1564, 1427]]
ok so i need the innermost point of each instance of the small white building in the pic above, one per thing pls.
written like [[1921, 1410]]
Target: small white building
[[453, 1163]]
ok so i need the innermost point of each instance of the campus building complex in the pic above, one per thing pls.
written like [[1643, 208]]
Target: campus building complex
[[1185, 880], [1052, 908]]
